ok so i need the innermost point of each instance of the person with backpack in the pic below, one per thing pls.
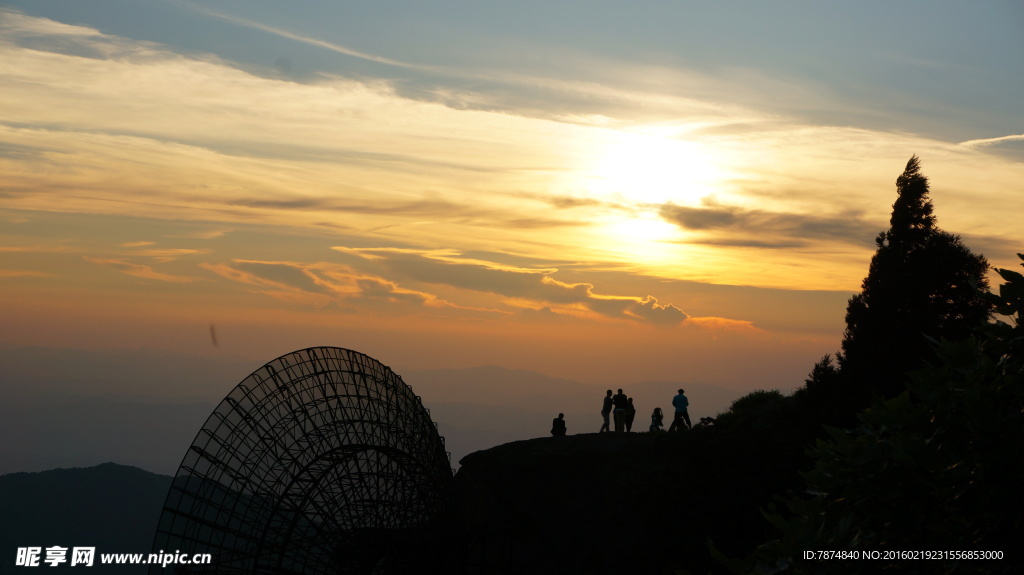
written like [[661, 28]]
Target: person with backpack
[[682, 404]]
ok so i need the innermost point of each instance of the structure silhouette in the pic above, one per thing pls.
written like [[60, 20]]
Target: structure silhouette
[[322, 461]]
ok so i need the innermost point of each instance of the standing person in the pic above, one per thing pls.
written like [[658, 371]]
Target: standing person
[[656, 419], [558, 425], [630, 415], [606, 410], [682, 415], [621, 403]]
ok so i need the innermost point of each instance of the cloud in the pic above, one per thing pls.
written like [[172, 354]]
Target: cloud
[[18, 25], [461, 213], [166, 255], [50, 249], [565, 202], [643, 309], [526, 287], [22, 274], [109, 120], [759, 228], [991, 141], [419, 207], [179, 131], [725, 324], [139, 270], [702, 218], [324, 284], [203, 235], [292, 275], [274, 279], [305, 39]]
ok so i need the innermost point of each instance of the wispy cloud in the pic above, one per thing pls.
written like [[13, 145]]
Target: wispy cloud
[[139, 270], [725, 324], [991, 141], [22, 274], [17, 24], [396, 277], [522, 285], [329, 286], [166, 255], [51, 249], [760, 228], [203, 235], [333, 47]]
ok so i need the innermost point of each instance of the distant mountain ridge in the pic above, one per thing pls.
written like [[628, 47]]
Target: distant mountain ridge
[[495, 385], [54, 415], [112, 507], [53, 432]]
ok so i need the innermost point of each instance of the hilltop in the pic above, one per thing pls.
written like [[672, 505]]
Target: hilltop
[[480, 407], [628, 503]]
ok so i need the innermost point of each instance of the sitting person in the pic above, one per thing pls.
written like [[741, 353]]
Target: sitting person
[[657, 419], [558, 425]]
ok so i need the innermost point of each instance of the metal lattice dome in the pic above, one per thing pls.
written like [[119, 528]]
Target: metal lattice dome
[[308, 466]]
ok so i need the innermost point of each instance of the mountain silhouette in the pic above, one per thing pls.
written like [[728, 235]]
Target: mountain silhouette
[[114, 508]]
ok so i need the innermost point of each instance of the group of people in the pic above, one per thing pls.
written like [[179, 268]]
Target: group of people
[[619, 408]]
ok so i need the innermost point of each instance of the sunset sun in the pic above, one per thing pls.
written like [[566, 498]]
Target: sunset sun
[[645, 168]]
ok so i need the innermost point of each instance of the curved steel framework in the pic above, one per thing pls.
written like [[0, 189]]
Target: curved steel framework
[[302, 467]]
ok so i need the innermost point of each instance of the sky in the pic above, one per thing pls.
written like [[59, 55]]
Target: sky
[[596, 191]]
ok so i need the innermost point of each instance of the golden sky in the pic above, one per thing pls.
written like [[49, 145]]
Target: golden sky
[[618, 217]]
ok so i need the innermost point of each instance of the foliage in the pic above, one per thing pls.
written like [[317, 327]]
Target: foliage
[[758, 412], [754, 399], [921, 282], [823, 373], [825, 397], [937, 467]]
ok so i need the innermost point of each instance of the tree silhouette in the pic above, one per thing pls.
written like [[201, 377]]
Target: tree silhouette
[[922, 282], [933, 468]]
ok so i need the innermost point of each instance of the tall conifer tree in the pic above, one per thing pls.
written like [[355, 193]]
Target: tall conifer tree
[[922, 282]]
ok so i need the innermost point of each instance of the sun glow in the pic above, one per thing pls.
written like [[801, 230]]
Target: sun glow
[[650, 168], [643, 239]]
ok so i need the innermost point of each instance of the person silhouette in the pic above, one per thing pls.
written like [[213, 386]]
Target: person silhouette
[[630, 414], [621, 403], [558, 425], [682, 417], [656, 419], [606, 409]]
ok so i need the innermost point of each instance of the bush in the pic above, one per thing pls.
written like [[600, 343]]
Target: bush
[[756, 399]]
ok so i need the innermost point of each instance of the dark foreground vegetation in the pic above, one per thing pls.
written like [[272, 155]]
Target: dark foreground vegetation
[[910, 440]]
